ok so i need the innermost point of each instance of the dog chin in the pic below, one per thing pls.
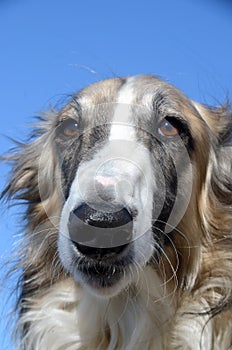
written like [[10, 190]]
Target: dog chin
[[103, 286]]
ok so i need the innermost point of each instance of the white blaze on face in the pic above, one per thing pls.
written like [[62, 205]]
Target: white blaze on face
[[122, 128]]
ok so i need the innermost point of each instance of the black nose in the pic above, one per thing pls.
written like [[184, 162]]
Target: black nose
[[99, 234]]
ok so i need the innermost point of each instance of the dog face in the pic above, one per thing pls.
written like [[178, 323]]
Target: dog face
[[127, 151]]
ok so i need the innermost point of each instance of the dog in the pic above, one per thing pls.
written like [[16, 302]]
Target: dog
[[128, 235]]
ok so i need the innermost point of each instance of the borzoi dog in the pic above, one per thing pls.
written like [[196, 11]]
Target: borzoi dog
[[128, 238]]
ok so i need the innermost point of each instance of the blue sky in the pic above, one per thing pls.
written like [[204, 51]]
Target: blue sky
[[52, 48]]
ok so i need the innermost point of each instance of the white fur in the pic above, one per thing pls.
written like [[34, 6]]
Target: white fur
[[68, 318]]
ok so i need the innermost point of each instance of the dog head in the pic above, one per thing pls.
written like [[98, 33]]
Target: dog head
[[128, 175], [132, 153]]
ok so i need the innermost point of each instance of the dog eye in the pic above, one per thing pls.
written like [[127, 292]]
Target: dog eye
[[168, 128], [69, 127]]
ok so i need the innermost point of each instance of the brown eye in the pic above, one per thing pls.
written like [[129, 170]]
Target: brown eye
[[69, 127], [168, 129]]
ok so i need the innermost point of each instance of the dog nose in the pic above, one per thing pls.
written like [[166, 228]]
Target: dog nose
[[100, 234]]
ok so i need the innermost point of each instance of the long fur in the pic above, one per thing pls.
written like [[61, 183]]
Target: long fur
[[182, 301]]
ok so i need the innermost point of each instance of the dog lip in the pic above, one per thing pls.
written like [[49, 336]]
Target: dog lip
[[100, 253]]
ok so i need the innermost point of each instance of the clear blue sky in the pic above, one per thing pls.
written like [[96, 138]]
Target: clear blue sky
[[51, 48]]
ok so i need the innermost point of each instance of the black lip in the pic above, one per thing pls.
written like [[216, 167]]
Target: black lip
[[100, 253]]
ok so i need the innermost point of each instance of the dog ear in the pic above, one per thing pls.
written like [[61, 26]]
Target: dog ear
[[218, 186], [219, 121], [215, 207], [32, 178]]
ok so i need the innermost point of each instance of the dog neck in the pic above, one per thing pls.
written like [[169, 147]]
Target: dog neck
[[68, 317]]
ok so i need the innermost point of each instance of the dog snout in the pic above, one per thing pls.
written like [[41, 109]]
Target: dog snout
[[99, 233]]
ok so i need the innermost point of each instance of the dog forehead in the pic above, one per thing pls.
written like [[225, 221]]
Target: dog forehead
[[99, 101], [102, 92], [120, 90]]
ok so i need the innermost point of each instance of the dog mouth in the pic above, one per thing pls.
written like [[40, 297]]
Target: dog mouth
[[102, 242], [106, 268], [103, 275]]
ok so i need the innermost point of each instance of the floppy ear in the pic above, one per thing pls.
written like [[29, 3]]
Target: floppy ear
[[32, 179], [219, 121], [217, 193], [34, 182], [215, 208]]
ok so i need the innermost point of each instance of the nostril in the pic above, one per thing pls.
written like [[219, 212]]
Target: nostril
[[99, 233]]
